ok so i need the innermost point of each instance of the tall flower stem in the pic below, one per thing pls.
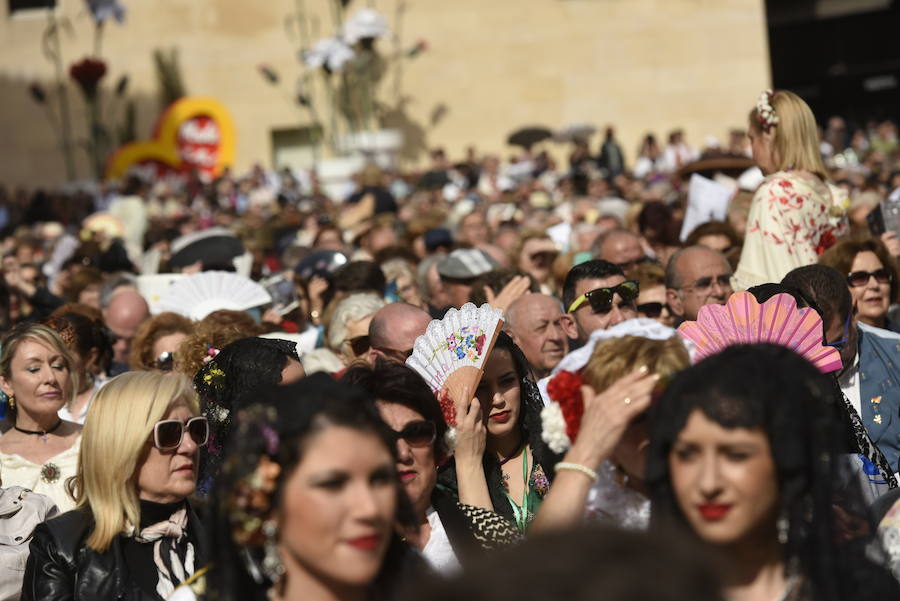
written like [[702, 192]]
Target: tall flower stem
[[53, 52]]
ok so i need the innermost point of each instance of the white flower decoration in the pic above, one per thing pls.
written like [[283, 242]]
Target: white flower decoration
[[221, 414], [450, 439], [765, 110], [553, 428], [365, 23], [332, 53]]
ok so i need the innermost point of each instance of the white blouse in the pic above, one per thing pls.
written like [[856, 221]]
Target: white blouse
[[47, 479]]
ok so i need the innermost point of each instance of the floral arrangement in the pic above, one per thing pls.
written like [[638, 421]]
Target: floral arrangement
[[211, 353], [765, 111], [561, 418]]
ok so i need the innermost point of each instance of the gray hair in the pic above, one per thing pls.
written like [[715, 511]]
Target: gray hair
[[354, 307], [121, 280]]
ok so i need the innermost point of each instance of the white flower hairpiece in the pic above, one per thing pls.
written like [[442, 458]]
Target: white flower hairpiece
[[765, 111]]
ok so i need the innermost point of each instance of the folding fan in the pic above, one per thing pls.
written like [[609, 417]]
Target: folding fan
[[199, 295], [744, 321], [452, 351]]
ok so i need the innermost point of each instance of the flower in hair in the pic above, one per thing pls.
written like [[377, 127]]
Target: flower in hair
[[214, 377], [765, 111], [211, 353], [561, 418], [251, 502]]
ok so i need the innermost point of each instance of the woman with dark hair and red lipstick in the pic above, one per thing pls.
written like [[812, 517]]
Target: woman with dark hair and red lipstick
[[743, 455], [307, 499], [500, 462]]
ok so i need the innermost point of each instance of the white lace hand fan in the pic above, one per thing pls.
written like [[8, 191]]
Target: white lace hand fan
[[452, 351], [742, 320], [198, 295]]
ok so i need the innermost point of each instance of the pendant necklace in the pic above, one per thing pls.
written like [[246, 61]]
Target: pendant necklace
[[44, 434]]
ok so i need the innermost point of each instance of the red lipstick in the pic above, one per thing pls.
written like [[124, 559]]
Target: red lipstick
[[713, 512], [501, 417], [407, 475], [365, 543]]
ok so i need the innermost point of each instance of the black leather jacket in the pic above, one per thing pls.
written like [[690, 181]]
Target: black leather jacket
[[62, 568]]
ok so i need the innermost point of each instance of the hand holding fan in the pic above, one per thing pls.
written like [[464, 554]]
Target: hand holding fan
[[452, 352], [777, 321]]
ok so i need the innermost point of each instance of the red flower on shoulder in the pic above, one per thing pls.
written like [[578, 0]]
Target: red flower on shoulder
[[565, 389], [825, 242]]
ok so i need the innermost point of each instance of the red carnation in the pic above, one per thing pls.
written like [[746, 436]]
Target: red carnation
[[87, 73], [447, 408], [565, 389]]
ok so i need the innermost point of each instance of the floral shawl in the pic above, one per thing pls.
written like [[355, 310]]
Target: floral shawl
[[793, 219]]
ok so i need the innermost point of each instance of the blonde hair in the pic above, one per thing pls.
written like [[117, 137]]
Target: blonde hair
[[796, 140], [617, 357], [42, 334], [118, 426]]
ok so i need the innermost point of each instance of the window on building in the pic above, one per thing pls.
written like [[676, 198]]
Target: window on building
[[295, 147], [17, 5]]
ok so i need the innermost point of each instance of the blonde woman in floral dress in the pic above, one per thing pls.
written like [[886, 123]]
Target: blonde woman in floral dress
[[796, 213]]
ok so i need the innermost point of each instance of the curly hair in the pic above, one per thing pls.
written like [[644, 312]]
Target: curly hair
[[841, 257], [214, 331], [150, 331], [616, 357]]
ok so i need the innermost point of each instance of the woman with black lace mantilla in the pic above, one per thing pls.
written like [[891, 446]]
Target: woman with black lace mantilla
[[500, 462]]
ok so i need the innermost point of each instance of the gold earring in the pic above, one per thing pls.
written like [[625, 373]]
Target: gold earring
[[12, 401]]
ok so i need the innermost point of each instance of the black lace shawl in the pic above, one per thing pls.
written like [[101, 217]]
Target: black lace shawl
[[530, 422]]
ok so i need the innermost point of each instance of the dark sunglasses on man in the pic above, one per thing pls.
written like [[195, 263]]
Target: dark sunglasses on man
[[651, 310], [861, 278], [629, 265], [601, 299], [417, 434], [168, 433], [704, 284]]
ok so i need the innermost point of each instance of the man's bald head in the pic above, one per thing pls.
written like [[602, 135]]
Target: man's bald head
[[394, 330], [126, 311], [535, 323]]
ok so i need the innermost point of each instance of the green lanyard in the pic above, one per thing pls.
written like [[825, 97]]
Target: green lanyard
[[521, 513]]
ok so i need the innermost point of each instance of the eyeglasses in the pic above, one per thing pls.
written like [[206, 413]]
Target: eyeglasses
[[652, 310], [628, 265], [840, 343], [393, 353], [417, 434], [359, 345], [704, 284], [601, 299], [861, 278], [169, 433], [165, 361]]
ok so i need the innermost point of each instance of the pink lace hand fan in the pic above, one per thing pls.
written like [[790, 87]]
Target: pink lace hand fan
[[777, 321]]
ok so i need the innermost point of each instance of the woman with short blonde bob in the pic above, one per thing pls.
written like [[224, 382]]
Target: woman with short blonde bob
[[796, 212], [138, 464]]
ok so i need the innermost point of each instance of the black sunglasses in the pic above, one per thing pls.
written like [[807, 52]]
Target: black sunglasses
[[651, 310], [628, 265], [359, 345], [861, 278], [417, 434], [601, 299], [704, 284], [168, 433], [165, 361]]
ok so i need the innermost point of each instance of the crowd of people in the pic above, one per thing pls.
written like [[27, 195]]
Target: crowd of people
[[200, 448]]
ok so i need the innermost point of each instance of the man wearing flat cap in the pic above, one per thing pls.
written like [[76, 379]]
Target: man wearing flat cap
[[459, 269]]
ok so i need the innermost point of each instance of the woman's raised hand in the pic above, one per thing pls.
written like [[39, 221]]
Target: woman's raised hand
[[471, 433], [607, 415]]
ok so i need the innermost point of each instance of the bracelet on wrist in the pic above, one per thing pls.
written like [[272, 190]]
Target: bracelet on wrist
[[577, 467]]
